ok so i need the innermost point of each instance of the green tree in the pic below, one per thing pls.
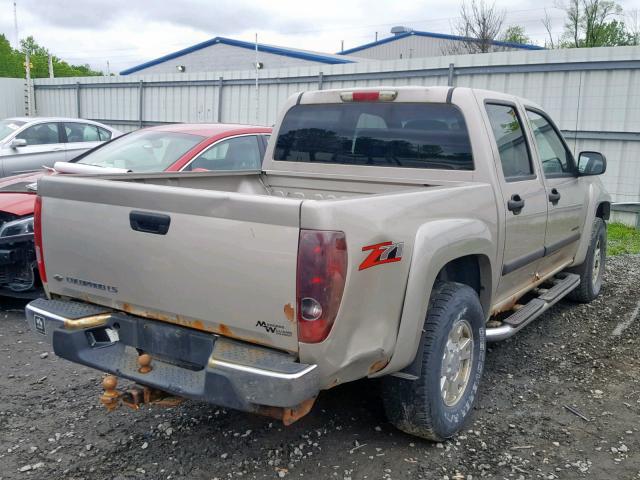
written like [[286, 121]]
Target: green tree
[[595, 23], [12, 61], [30, 45], [612, 34], [515, 34]]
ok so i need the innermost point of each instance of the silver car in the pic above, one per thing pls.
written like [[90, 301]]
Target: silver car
[[29, 143]]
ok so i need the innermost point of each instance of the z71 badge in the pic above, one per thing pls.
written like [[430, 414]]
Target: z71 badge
[[385, 252]]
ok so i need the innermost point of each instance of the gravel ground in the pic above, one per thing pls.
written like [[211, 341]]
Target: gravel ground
[[53, 427]]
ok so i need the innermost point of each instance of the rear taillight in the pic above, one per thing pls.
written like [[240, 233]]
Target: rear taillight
[[37, 238], [322, 268], [369, 96]]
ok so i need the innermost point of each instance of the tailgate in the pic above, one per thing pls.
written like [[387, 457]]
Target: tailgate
[[226, 264]]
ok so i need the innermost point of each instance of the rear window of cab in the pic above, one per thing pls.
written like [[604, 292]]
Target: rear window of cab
[[406, 135]]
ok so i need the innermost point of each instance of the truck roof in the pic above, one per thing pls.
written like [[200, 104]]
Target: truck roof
[[436, 89]]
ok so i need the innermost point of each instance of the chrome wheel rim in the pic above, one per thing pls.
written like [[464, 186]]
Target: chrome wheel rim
[[456, 362], [597, 263]]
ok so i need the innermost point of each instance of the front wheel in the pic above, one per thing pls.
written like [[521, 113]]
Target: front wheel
[[438, 404], [592, 269]]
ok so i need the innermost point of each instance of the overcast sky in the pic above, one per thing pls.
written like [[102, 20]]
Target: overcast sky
[[129, 32]]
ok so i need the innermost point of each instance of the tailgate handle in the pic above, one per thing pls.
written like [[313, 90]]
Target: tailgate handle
[[148, 222]]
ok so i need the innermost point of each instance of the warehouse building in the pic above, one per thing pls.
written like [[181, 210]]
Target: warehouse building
[[406, 43], [219, 54]]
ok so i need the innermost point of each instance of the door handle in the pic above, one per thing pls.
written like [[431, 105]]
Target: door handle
[[516, 204], [554, 196], [148, 222]]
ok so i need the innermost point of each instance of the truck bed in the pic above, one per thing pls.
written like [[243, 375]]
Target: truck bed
[[226, 264], [286, 186]]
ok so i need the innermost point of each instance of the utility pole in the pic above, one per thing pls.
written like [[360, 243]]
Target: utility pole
[[27, 69], [376, 36], [341, 45], [108, 69], [15, 26], [50, 66], [257, 66]]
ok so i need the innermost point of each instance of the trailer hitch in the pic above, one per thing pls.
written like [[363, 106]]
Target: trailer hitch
[[135, 396], [139, 395]]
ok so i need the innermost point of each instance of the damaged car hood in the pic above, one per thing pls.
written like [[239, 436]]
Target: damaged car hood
[[15, 195]]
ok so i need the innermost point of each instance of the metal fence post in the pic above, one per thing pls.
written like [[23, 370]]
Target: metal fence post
[[140, 104], [320, 80], [450, 77], [78, 99], [219, 112], [34, 102]]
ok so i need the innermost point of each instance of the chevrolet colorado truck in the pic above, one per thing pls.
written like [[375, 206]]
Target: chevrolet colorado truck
[[390, 233]]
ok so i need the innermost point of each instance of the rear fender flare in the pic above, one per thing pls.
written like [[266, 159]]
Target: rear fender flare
[[436, 244]]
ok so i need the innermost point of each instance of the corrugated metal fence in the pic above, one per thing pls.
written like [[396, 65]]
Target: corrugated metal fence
[[593, 94], [12, 97]]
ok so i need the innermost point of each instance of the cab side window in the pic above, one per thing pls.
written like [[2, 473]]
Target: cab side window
[[554, 155], [81, 132], [104, 134], [239, 153], [41, 134], [510, 139]]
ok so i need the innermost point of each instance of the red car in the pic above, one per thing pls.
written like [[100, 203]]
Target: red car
[[169, 148]]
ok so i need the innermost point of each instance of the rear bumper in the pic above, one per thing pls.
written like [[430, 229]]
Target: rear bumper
[[186, 362]]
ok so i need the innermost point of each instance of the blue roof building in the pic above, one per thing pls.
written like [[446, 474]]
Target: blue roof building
[[407, 43], [220, 53]]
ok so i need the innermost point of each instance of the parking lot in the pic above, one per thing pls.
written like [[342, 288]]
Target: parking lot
[[560, 400]]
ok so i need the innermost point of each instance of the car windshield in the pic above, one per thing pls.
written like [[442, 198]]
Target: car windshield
[[143, 151], [7, 127]]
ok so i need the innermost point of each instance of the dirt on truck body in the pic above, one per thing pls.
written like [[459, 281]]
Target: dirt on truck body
[[386, 230], [51, 423]]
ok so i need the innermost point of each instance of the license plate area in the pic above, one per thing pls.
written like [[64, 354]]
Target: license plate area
[[171, 343]]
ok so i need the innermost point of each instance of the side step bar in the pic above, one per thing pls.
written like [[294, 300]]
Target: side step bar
[[564, 283]]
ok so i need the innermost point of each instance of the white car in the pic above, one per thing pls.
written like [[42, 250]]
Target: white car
[[29, 143]]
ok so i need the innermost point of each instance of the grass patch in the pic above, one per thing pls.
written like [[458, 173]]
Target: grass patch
[[622, 239]]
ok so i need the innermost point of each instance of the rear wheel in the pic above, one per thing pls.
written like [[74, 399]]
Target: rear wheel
[[592, 269], [437, 405]]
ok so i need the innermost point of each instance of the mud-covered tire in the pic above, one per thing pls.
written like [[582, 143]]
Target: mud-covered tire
[[592, 269], [418, 407]]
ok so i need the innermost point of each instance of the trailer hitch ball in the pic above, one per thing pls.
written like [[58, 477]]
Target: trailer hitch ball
[[144, 361], [110, 396]]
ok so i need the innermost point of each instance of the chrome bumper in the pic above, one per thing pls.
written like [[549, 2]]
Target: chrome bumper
[[186, 362]]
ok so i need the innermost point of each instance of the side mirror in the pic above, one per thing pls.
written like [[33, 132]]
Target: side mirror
[[18, 142], [591, 163]]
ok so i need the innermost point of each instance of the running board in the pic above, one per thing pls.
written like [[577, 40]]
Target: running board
[[564, 283]]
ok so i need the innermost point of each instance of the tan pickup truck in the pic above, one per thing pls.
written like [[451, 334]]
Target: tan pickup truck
[[391, 233]]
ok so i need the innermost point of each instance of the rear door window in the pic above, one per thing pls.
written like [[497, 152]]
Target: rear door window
[[238, 153], [405, 135], [81, 132], [104, 134]]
